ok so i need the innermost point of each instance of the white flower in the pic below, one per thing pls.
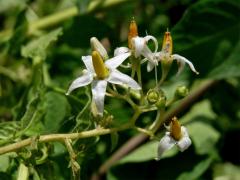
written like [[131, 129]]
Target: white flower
[[177, 135], [99, 73], [140, 48], [166, 55]]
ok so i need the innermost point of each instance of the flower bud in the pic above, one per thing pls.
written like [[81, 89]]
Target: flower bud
[[175, 129], [161, 103], [133, 32], [167, 45], [181, 92], [152, 96], [97, 46], [99, 67]]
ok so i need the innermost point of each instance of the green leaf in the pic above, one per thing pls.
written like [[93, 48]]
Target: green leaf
[[5, 162], [23, 172], [226, 171], [19, 34], [37, 47], [30, 110], [197, 171], [146, 152], [56, 108], [204, 137], [201, 109], [8, 130], [208, 35]]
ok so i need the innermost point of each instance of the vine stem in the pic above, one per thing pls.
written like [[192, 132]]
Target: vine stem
[[135, 141], [62, 137]]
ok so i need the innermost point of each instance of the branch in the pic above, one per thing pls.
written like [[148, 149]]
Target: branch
[[134, 142], [62, 137]]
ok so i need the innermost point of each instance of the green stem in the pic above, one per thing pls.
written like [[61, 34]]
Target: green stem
[[62, 137]]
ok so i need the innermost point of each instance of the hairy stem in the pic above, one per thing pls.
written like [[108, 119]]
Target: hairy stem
[[63, 137]]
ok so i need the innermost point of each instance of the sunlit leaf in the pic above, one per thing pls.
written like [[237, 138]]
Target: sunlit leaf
[[204, 137], [56, 109], [37, 47], [226, 171]]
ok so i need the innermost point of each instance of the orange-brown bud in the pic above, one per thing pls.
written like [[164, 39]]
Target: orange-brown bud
[[133, 32], [167, 45], [175, 129]]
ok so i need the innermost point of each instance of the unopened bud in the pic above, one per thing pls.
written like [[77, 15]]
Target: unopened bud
[[152, 96], [175, 129], [97, 46], [133, 32], [167, 45], [181, 92], [161, 103]]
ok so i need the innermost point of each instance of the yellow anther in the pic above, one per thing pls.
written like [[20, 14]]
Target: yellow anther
[[133, 32], [167, 45], [99, 67], [175, 129]]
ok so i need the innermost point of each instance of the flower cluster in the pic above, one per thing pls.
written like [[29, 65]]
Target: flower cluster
[[101, 70]]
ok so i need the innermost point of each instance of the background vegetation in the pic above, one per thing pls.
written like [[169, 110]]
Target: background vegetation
[[33, 101]]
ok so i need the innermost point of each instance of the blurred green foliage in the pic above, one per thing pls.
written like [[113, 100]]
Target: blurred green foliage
[[36, 68]]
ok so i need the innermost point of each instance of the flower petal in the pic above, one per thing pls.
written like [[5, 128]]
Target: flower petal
[[182, 60], [148, 37], [87, 60], [185, 141], [166, 143], [150, 66], [116, 77], [83, 80], [120, 50], [116, 61], [98, 93], [138, 45]]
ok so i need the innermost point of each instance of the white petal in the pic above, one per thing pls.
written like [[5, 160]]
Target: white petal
[[150, 66], [158, 55], [98, 93], [185, 141], [147, 38], [116, 77], [83, 80], [138, 45], [182, 59], [166, 143], [87, 60], [120, 50], [116, 61]]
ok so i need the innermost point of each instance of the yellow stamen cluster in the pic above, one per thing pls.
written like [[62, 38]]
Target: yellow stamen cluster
[[133, 32], [99, 67], [175, 129], [167, 45]]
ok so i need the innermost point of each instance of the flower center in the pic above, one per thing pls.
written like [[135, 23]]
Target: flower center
[[133, 32], [99, 67], [167, 43], [175, 129]]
